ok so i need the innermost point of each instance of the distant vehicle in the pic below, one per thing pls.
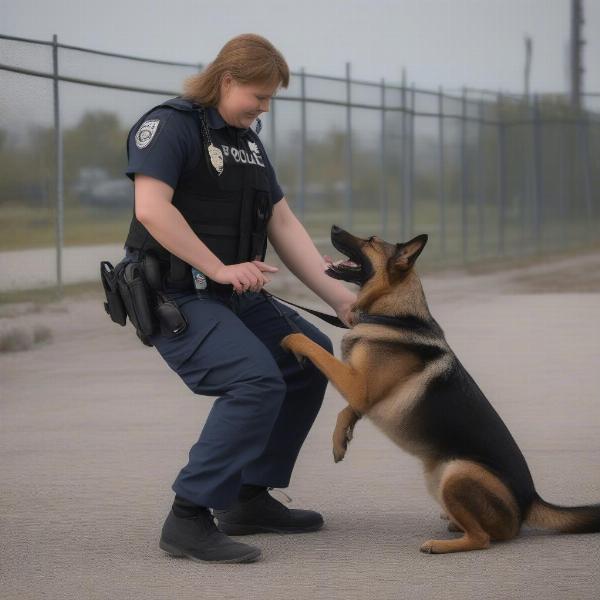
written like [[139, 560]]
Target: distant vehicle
[[95, 187]]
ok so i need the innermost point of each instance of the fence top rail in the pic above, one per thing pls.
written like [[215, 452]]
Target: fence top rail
[[101, 84], [102, 52]]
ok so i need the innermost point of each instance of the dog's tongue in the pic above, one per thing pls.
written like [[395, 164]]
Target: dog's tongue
[[346, 262], [342, 262]]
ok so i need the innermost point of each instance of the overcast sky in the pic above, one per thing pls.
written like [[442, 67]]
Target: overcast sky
[[478, 43]]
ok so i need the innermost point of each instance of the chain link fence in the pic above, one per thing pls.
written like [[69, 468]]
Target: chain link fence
[[485, 174]]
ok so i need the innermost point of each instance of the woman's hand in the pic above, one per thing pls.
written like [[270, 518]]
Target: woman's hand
[[345, 313], [344, 309], [245, 277]]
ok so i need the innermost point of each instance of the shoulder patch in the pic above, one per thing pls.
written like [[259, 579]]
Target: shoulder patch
[[146, 132]]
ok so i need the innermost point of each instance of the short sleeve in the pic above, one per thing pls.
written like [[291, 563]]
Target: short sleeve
[[276, 191], [160, 146]]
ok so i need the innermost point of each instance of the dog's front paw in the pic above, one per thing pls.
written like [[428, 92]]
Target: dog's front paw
[[428, 547], [291, 342], [341, 438], [294, 343], [338, 453]]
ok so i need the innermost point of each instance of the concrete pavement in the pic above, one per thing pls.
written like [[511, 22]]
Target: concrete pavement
[[94, 428]]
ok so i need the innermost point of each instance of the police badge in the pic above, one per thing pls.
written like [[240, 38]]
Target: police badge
[[216, 158], [215, 155], [146, 132]]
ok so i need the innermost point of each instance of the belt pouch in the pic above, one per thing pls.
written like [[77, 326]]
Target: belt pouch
[[136, 297], [171, 319], [114, 304]]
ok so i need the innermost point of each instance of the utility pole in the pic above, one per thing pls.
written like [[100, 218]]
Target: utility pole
[[577, 43], [528, 53]]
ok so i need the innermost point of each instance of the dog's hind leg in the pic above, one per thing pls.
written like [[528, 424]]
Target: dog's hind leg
[[451, 525], [479, 504]]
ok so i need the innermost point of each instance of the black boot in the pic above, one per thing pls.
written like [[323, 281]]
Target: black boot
[[256, 511], [194, 534]]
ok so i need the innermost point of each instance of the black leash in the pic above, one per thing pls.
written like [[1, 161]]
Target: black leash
[[324, 316]]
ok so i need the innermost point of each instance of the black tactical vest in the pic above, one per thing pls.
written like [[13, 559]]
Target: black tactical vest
[[228, 212]]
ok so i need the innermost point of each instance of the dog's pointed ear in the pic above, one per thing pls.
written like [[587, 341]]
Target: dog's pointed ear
[[407, 253]]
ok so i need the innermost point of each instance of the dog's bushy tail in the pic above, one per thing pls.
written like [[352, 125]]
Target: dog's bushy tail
[[566, 519]]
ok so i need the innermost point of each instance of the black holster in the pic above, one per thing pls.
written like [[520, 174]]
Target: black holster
[[134, 289], [114, 304], [137, 297]]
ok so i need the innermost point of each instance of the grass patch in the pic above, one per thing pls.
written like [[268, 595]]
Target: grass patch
[[24, 227]]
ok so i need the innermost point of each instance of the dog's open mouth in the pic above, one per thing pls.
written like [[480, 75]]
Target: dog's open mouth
[[340, 266], [347, 269]]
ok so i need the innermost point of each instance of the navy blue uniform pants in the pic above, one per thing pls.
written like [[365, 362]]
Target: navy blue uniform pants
[[267, 402]]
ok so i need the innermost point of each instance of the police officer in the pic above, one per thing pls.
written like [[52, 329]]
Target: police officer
[[206, 199]]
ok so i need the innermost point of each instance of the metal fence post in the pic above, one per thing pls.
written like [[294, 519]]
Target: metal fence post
[[501, 136], [349, 207], [302, 195], [463, 176], [562, 185], [524, 179], [383, 181], [537, 175], [441, 170], [480, 178], [404, 164], [59, 171], [411, 165], [583, 139]]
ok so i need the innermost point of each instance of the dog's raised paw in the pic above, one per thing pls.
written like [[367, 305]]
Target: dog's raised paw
[[291, 343], [287, 342]]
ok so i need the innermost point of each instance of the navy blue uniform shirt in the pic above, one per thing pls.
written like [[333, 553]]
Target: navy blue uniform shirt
[[169, 142]]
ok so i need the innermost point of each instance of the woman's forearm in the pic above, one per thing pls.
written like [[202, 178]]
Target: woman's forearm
[[298, 252], [169, 228]]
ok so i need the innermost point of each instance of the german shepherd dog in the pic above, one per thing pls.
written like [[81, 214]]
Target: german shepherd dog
[[398, 369]]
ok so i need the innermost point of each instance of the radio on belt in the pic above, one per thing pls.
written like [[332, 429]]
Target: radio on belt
[[199, 279]]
